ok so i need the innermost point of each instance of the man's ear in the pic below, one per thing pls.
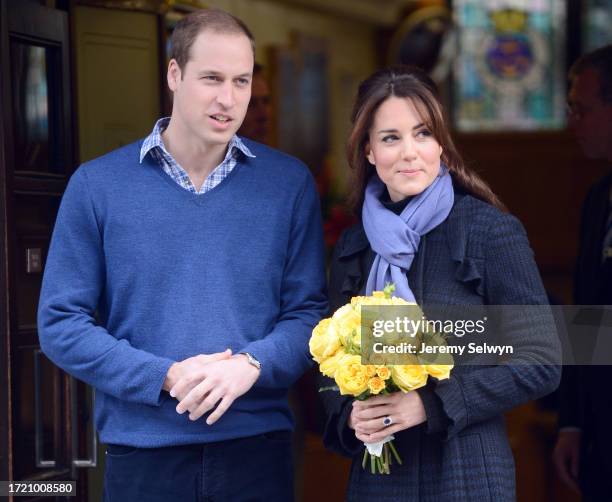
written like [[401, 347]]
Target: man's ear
[[173, 75], [369, 154]]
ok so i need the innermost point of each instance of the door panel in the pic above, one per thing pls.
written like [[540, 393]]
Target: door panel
[[118, 78], [39, 137]]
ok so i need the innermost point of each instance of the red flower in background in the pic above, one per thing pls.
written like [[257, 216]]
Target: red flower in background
[[338, 218]]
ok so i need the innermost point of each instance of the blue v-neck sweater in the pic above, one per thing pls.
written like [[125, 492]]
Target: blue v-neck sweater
[[142, 273]]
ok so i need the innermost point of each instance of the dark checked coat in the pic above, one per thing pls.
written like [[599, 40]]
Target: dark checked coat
[[478, 256]]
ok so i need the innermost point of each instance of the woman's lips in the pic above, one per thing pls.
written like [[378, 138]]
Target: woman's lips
[[409, 172]]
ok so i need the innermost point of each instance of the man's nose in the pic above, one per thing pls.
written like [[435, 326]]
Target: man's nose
[[225, 97]]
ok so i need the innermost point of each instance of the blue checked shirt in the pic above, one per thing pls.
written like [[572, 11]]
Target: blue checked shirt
[[154, 144]]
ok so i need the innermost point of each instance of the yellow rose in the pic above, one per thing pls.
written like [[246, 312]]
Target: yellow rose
[[439, 371], [356, 300], [409, 377], [373, 300], [396, 300], [376, 385], [331, 364], [348, 324], [357, 339], [379, 359], [383, 372], [346, 314], [370, 370], [324, 341], [351, 376]]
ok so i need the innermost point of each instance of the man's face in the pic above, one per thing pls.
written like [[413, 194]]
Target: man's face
[[589, 116], [256, 124], [212, 91]]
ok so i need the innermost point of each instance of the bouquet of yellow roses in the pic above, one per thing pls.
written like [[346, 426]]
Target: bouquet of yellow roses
[[336, 346]]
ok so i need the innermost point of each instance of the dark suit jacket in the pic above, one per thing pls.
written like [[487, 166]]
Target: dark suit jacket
[[583, 403], [591, 287], [477, 256]]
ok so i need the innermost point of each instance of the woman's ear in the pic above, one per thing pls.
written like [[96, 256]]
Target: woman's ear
[[369, 154]]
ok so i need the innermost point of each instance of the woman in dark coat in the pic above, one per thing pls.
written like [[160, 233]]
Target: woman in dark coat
[[436, 230]]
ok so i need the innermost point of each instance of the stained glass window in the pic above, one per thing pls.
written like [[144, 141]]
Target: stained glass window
[[597, 23], [510, 66]]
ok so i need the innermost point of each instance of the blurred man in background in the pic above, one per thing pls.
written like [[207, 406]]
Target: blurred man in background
[[256, 125], [582, 453]]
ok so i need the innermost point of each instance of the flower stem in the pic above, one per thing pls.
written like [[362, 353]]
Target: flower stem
[[394, 451], [386, 456]]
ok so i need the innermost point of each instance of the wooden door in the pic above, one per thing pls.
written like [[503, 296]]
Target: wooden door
[[43, 429]]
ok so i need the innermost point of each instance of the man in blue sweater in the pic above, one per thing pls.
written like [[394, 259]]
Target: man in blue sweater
[[183, 280]]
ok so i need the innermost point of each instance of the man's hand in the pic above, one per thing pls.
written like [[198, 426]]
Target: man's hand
[[222, 382], [188, 370], [405, 409], [566, 457]]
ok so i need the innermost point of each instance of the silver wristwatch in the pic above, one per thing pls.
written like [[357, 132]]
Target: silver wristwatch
[[252, 360]]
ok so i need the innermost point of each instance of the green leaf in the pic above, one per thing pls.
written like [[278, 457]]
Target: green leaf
[[363, 396], [389, 290]]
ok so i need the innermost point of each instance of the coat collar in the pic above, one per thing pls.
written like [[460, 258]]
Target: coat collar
[[355, 240]]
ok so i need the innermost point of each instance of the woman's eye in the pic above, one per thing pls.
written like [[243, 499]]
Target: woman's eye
[[389, 139], [423, 133]]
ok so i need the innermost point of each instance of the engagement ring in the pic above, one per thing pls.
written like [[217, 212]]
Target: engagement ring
[[387, 421]]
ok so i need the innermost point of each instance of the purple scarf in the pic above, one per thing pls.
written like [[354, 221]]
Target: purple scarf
[[395, 238]]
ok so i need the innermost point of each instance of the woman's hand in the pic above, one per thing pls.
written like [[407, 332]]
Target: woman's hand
[[367, 417]]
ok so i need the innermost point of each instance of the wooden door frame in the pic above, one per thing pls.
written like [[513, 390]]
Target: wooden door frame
[[5, 363]]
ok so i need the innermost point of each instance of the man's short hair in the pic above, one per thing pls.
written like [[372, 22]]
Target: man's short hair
[[599, 60], [189, 27]]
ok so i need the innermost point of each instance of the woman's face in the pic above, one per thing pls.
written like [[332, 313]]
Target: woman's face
[[404, 151]]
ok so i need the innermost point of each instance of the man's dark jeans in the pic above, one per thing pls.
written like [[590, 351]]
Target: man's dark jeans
[[257, 468]]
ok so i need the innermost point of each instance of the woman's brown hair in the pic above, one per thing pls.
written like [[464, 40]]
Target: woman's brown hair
[[412, 83]]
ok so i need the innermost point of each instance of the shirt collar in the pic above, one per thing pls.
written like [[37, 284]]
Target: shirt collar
[[154, 140]]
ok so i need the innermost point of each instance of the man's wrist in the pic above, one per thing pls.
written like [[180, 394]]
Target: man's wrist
[[171, 377], [249, 358]]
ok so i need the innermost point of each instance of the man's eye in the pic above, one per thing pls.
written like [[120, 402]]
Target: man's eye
[[243, 81], [212, 78]]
